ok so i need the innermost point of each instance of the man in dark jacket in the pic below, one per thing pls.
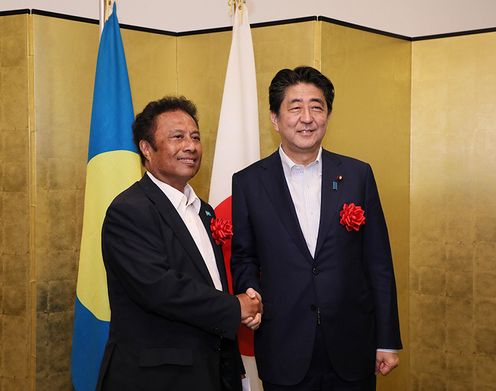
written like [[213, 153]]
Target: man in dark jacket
[[173, 322], [311, 239]]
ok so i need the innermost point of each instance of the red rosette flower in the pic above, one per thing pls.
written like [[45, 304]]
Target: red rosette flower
[[222, 230], [352, 217]]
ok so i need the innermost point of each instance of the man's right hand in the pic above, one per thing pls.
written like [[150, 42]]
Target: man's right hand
[[251, 308]]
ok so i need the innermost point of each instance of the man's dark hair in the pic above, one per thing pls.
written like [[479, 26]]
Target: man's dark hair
[[289, 77], [145, 124]]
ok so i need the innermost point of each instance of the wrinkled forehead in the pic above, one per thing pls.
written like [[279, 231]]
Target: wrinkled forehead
[[304, 92], [174, 121], [176, 118]]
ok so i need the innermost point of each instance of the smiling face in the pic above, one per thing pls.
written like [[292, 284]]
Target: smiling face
[[177, 154], [301, 122]]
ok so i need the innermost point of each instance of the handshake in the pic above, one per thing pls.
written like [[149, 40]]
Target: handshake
[[251, 308]]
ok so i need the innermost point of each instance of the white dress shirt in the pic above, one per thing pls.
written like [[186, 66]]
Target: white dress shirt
[[305, 184], [188, 206]]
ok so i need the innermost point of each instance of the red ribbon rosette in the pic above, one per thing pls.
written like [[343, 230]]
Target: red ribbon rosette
[[352, 217], [222, 230]]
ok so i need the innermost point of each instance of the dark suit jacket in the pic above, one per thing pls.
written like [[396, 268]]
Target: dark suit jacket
[[350, 282], [170, 329]]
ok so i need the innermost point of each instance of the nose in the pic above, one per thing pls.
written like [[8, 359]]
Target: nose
[[306, 115], [189, 144]]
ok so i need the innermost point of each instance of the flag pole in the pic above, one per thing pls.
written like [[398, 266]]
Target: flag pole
[[235, 4], [101, 6], [105, 11], [237, 146], [113, 165]]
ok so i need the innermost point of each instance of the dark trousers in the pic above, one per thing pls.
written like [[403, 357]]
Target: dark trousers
[[231, 366], [321, 376]]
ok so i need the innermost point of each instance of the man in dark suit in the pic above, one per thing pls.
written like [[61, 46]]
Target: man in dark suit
[[311, 239], [173, 322]]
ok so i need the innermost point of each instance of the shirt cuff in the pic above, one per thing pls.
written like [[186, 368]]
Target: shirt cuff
[[387, 350]]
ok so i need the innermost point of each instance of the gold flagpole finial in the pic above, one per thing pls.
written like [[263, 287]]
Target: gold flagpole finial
[[235, 4], [108, 8]]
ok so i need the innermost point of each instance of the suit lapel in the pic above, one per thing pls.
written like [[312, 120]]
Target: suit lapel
[[329, 196], [206, 216], [278, 192], [172, 218]]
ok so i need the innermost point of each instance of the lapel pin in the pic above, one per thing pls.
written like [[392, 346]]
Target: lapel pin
[[208, 213], [339, 178]]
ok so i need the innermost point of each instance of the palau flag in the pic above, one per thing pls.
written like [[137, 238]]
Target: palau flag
[[113, 165]]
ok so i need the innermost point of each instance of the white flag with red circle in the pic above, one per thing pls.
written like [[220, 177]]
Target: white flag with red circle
[[237, 146]]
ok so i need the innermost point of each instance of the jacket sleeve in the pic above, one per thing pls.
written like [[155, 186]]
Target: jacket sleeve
[[378, 261], [136, 255]]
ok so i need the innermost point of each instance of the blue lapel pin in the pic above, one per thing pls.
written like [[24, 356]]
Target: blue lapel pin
[[335, 182], [208, 213]]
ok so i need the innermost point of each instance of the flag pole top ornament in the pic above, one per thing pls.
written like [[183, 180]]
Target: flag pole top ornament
[[108, 5], [235, 4]]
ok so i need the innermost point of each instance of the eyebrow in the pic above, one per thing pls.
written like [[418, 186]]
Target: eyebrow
[[298, 100], [185, 130]]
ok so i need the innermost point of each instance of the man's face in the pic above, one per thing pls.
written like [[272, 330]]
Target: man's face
[[178, 152], [301, 122]]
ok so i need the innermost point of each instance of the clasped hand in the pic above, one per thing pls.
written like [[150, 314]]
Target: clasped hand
[[251, 308]]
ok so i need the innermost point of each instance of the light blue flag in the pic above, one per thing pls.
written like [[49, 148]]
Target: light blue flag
[[113, 165]]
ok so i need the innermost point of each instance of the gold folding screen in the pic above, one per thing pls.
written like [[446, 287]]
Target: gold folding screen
[[16, 255], [453, 214], [421, 113]]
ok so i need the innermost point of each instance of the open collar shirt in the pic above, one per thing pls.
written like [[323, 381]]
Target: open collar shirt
[[305, 184], [188, 206]]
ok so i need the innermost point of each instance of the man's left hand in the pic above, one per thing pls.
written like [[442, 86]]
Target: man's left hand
[[385, 362]]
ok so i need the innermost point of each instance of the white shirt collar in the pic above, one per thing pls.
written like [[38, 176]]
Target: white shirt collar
[[177, 198], [288, 164]]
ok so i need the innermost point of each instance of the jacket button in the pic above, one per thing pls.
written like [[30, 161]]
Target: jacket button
[[315, 271], [313, 307]]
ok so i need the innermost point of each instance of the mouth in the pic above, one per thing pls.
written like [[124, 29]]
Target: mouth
[[306, 131], [189, 161]]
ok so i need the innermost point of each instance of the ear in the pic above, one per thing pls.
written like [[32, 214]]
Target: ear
[[145, 148], [274, 120]]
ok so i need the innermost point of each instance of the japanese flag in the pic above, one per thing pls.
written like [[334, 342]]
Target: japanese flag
[[236, 147]]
